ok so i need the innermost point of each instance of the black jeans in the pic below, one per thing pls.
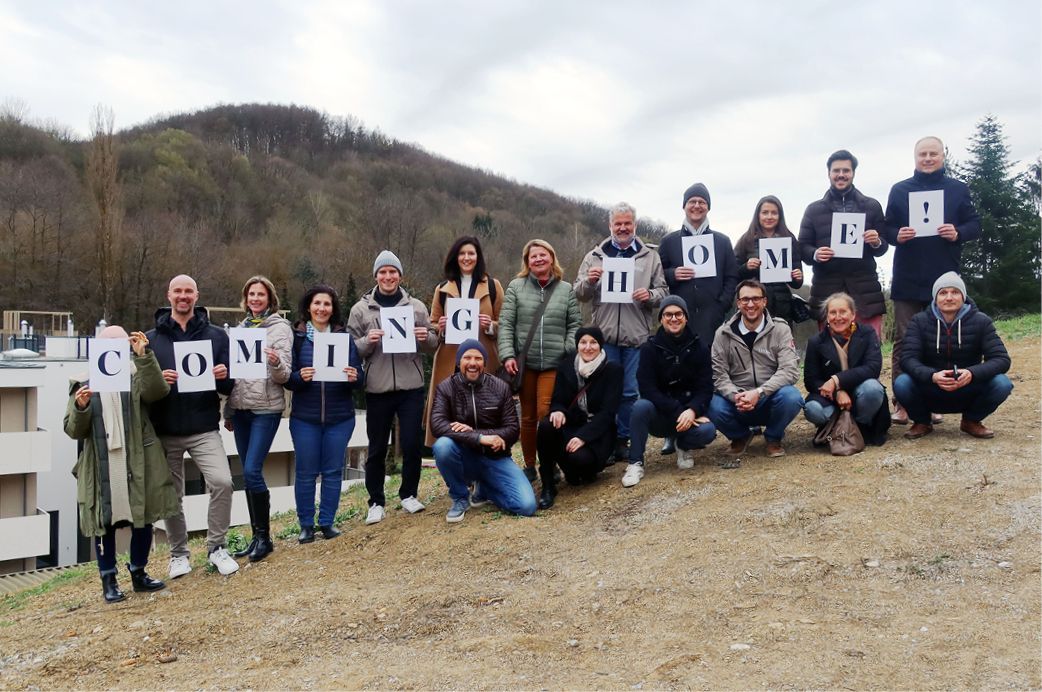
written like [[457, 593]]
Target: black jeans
[[379, 414], [140, 544], [580, 466]]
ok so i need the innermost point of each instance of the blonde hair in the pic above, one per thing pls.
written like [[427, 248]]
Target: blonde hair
[[555, 267], [273, 296]]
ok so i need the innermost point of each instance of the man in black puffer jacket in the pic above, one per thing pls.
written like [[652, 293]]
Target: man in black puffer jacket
[[855, 276], [953, 361], [188, 422], [475, 420]]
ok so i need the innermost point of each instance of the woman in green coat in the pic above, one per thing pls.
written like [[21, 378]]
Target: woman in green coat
[[122, 478]]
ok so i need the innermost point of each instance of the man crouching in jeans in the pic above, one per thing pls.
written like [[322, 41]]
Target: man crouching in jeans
[[475, 421]]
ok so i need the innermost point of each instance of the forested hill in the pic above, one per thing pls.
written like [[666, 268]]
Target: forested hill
[[99, 226]]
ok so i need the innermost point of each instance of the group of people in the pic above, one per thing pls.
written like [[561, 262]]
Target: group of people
[[667, 361]]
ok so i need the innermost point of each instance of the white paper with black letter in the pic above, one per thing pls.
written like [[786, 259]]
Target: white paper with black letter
[[617, 279], [397, 324], [248, 359], [776, 260], [193, 361], [461, 319], [925, 211], [332, 355], [699, 254], [109, 365], [848, 235]]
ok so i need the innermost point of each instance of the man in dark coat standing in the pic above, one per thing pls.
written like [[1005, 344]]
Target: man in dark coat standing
[[920, 260]]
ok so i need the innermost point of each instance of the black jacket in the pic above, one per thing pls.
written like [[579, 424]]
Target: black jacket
[[603, 398], [779, 297], [710, 299], [855, 276], [195, 412], [486, 405], [864, 362], [919, 262], [676, 374], [970, 342]]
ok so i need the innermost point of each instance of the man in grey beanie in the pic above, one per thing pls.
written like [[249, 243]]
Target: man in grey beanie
[[953, 361]]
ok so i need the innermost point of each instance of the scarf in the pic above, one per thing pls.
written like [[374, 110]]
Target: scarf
[[696, 231], [583, 370], [842, 342], [112, 419], [255, 321], [309, 331]]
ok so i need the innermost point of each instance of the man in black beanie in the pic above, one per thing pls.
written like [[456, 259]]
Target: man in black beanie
[[708, 297]]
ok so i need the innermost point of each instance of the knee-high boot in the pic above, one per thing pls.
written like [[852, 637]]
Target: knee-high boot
[[263, 546], [253, 528]]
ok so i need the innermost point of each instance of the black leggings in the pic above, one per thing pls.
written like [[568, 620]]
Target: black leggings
[[580, 466], [140, 544]]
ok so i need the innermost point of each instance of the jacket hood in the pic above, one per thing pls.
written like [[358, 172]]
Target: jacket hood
[[642, 247]]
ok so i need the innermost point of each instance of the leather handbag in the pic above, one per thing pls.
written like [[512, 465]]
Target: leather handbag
[[841, 434], [515, 380]]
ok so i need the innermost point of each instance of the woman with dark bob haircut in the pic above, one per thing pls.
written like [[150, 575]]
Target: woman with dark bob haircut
[[465, 277], [323, 415]]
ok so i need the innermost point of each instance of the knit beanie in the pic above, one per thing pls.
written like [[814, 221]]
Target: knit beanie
[[595, 332], [470, 344], [949, 280], [387, 259], [672, 300], [697, 190]]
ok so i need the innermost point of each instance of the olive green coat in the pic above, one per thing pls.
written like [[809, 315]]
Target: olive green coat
[[152, 494], [555, 334]]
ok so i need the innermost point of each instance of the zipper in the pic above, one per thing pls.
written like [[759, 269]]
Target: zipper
[[474, 405], [542, 293]]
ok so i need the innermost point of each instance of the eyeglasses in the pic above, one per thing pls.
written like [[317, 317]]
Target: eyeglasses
[[751, 300], [672, 316]]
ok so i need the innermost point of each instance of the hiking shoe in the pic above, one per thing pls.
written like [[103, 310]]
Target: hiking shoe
[[918, 430], [477, 498], [685, 460], [634, 472], [376, 514], [179, 566], [224, 563], [412, 505], [976, 429], [457, 511], [774, 448], [739, 446]]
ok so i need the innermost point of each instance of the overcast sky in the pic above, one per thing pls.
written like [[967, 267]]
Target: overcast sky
[[607, 101]]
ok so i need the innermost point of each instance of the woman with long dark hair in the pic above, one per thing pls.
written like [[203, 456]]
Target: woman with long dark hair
[[769, 222], [465, 277], [323, 415]]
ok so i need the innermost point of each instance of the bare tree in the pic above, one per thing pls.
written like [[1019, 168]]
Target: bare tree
[[107, 193]]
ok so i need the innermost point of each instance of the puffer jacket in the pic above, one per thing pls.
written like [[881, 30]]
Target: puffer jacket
[[152, 494], [390, 372], [266, 395], [770, 364], [555, 335], [779, 297], [675, 373], [486, 405], [969, 342], [624, 324], [321, 402], [919, 262], [191, 413], [855, 276]]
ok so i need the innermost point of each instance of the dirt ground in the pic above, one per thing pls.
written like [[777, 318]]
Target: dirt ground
[[913, 565]]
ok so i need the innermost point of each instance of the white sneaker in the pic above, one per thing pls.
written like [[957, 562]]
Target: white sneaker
[[223, 562], [685, 460], [375, 515], [179, 566], [412, 505], [634, 472]]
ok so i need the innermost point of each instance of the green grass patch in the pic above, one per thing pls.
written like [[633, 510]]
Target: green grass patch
[[1019, 327], [18, 600]]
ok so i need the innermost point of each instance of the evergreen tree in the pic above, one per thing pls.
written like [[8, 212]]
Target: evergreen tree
[[1002, 268]]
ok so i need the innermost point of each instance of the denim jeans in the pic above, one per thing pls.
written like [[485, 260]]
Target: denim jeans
[[253, 435], [646, 420], [502, 481], [381, 409], [628, 357], [775, 412], [868, 397], [319, 449], [976, 401], [140, 544]]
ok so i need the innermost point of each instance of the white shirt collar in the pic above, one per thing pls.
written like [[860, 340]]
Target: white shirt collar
[[759, 328]]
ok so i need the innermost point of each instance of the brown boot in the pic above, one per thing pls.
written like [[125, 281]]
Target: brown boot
[[899, 416], [738, 446], [918, 430], [976, 429], [775, 449]]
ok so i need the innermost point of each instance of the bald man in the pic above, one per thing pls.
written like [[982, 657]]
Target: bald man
[[188, 422], [920, 260]]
